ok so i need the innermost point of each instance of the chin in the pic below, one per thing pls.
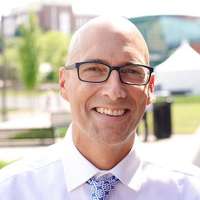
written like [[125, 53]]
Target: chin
[[115, 137]]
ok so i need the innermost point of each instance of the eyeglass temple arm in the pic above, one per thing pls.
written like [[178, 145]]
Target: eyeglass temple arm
[[69, 67]]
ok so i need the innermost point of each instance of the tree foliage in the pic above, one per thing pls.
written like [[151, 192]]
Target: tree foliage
[[53, 46], [30, 47], [9, 57], [29, 52]]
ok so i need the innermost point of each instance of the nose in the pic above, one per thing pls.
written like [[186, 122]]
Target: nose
[[113, 88]]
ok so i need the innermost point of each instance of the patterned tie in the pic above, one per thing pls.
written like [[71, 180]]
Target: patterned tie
[[101, 186]]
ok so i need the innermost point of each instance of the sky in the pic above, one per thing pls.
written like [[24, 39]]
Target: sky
[[121, 7]]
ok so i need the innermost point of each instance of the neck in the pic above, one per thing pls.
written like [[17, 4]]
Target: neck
[[104, 156]]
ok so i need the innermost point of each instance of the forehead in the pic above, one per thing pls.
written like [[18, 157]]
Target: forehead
[[112, 44]]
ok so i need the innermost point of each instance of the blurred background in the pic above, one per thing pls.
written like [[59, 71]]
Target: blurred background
[[34, 39]]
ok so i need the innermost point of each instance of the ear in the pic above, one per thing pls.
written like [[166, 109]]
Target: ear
[[63, 79], [150, 89]]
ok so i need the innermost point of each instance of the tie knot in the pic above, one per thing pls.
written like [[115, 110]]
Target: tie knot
[[101, 186]]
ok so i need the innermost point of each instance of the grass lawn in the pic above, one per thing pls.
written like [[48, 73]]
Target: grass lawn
[[3, 164], [186, 117], [185, 112]]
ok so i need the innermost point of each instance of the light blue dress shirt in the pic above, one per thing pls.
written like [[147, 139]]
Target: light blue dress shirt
[[61, 172]]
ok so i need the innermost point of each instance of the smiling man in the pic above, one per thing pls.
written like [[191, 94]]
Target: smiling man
[[108, 82]]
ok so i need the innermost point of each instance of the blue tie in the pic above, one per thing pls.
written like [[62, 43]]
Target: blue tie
[[101, 186]]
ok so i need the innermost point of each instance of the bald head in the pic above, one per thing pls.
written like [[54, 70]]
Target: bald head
[[109, 85], [104, 32]]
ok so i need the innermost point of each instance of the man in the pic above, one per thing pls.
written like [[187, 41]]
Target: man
[[108, 83]]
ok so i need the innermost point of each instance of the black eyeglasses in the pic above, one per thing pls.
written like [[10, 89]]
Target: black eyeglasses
[[98, 72]]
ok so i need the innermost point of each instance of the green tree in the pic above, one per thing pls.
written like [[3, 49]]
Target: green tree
[[53, 47], [29, 52]]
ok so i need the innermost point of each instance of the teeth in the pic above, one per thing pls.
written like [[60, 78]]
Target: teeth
[[107, 111]]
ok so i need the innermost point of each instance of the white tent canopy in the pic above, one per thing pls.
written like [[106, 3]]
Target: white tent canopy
[[181, 71]]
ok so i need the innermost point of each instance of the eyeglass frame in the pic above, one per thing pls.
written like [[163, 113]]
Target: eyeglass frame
[[111, 68]]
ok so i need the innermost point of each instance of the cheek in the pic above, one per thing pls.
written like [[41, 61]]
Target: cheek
[[80, 96], [77, 107], [139, 95]]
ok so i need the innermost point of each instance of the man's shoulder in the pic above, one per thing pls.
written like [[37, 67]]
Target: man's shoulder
[[171, 171], [184, 177], [181, 169], [156, 181], [37, 165], [34, 177]]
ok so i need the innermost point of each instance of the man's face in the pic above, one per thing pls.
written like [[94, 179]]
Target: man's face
[[107, 112]]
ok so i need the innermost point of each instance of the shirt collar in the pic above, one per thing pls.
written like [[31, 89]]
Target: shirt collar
[[78, 169]]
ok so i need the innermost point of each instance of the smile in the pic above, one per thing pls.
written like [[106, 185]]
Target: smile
[[110, 112]]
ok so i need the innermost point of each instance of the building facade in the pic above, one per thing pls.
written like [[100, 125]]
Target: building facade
[[164, 33], [54, 17]]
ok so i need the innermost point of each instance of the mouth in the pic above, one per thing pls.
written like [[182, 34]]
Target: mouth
[[111, 112]]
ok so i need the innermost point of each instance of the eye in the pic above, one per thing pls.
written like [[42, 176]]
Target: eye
[[94, 68], [130, 71]]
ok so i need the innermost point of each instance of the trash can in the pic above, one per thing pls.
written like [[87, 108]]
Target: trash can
[[162, 122]]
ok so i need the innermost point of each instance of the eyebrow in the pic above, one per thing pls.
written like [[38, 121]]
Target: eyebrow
[[97, 60], [105, 62]]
